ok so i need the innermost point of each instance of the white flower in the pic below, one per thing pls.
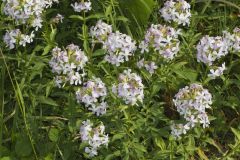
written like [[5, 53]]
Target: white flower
[[191, 102], [144, 47], [75, 78], [10, 38], [58, 18], [209, 49], [119, 47], [49, 3], [27, 11], [91, 151], [150, 66], [229, 38], [26, 39], [129, 87], [218, 72], [95, 137], [163, 39], [78, 56], [85, 130], [69, 64], [140, 63], [233, 39], [203, 119], [82, 6], [37, 23], [15, 37], [92, 94], [58, 81], [179, 129], [177, 11], [101, 31], [99, 109], [236, 39]]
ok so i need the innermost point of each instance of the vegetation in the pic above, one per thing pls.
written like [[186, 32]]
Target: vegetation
[[40, 120]]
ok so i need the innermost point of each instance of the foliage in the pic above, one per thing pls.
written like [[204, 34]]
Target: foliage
[[40, 121]]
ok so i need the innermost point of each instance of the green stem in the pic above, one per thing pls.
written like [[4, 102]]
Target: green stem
[[2, 103], [85, 37], [171, 153]]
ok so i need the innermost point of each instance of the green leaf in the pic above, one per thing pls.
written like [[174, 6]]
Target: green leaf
[[37, 69], [178, 65], [138, 13], [47, 49], [212, 142], [99, 52], [140, 147], [123, 108], [96, 16], [202, 155], [53, 35], [118, 136], [108, 11], [111, 156], [138, 9], [186, 73], [5, 158], [4, 151], [53, 134], [155, 89], [191, 145], [236, 133], [122, 18], [23, 146], [76, 17], [46, 100], [49, 157], [160, 143], [38, 48]]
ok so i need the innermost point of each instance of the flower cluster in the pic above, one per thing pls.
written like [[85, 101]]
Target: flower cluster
[[217, 72], [15, 37], [27, 12], [178, 12], [95, 137], [210, 49], [163, 39], [234, 39], [150, 66], [191, 103], [101, 31], [82, 6], [92, 94], [129, 87], [68, 64], [236, 44], [118, 45]]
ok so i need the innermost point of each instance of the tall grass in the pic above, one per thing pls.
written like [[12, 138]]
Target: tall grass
[[40, 121]]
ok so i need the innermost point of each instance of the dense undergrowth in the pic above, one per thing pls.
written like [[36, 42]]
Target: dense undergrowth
[[40, 119]]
